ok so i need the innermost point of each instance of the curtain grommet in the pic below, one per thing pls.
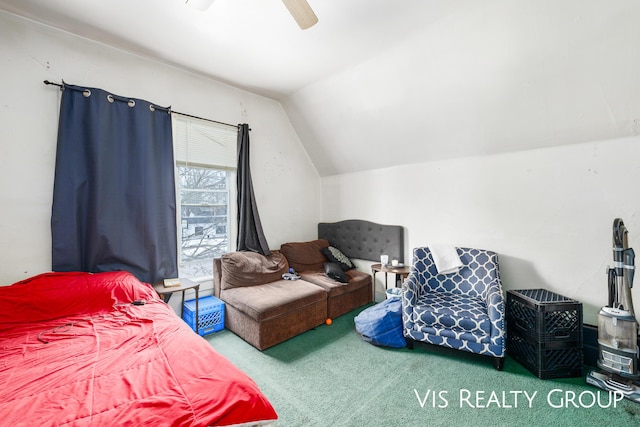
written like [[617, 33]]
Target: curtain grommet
[[86, 93], [110, 98]]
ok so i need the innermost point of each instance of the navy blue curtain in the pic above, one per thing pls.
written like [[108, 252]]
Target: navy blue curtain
[[250, 235], [114, 203]]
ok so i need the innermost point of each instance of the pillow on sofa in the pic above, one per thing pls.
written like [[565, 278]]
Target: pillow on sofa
[[334, 254], [334, 271], [305, 256], [251, 269]]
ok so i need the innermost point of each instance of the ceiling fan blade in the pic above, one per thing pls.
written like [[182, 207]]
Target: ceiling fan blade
[[199, 4], [301, 12]]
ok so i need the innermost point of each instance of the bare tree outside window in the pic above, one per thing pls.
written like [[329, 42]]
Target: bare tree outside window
[[204, 213], [206, 161]]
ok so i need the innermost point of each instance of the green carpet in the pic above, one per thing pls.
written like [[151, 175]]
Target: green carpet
[[330, 377]]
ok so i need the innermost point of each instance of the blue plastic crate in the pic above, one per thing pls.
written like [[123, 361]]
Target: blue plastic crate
[[210, 315]]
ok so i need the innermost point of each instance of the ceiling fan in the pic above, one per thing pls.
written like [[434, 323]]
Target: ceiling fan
[[299, 9]]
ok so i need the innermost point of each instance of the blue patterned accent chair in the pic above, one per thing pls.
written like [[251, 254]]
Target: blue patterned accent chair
[[462, 310]]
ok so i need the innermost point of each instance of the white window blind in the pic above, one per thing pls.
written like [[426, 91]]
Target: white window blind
[[202, 142]]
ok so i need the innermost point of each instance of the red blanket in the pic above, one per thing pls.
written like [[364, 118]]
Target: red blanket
[[74, 351]]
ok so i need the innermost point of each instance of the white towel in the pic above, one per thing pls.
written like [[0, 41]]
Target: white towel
[[446, 258]]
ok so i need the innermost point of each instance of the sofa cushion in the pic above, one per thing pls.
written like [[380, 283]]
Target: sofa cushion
[[240, 269], [273, 299], [303, 256], [357, 279], [335, 255]]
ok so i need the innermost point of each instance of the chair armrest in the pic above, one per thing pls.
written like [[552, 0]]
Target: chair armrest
[[495, 308], [410, 290], [409, 298]]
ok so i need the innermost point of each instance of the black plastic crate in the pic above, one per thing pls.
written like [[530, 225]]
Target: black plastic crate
[[557, 359], [544, 316]]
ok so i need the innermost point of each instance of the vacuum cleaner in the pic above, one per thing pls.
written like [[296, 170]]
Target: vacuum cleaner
[[618, 351]]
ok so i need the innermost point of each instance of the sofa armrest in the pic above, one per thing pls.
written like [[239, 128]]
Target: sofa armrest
[[217, 276]]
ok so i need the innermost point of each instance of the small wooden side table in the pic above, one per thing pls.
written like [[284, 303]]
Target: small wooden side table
[[401, 272], [165, 293]]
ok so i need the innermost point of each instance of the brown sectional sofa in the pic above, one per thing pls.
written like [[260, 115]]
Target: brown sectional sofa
[[308, 261], [265, 310]]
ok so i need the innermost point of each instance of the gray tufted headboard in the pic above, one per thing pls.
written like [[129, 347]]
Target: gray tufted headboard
[[363, 239]]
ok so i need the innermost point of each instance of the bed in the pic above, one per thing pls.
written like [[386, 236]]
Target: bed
[[76, 351]]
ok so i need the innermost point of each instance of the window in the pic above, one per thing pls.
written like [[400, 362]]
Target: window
[[205, 154]]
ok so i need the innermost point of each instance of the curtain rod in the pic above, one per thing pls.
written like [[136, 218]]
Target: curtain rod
[[61, 86]]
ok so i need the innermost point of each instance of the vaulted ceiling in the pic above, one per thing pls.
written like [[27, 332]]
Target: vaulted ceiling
[[381, 83]]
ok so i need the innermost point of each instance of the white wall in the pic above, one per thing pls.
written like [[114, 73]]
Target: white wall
[[488, 77], [286, 183], [547, 212]]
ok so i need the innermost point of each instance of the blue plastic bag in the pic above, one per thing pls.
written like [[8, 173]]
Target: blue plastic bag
[[381, 324]]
